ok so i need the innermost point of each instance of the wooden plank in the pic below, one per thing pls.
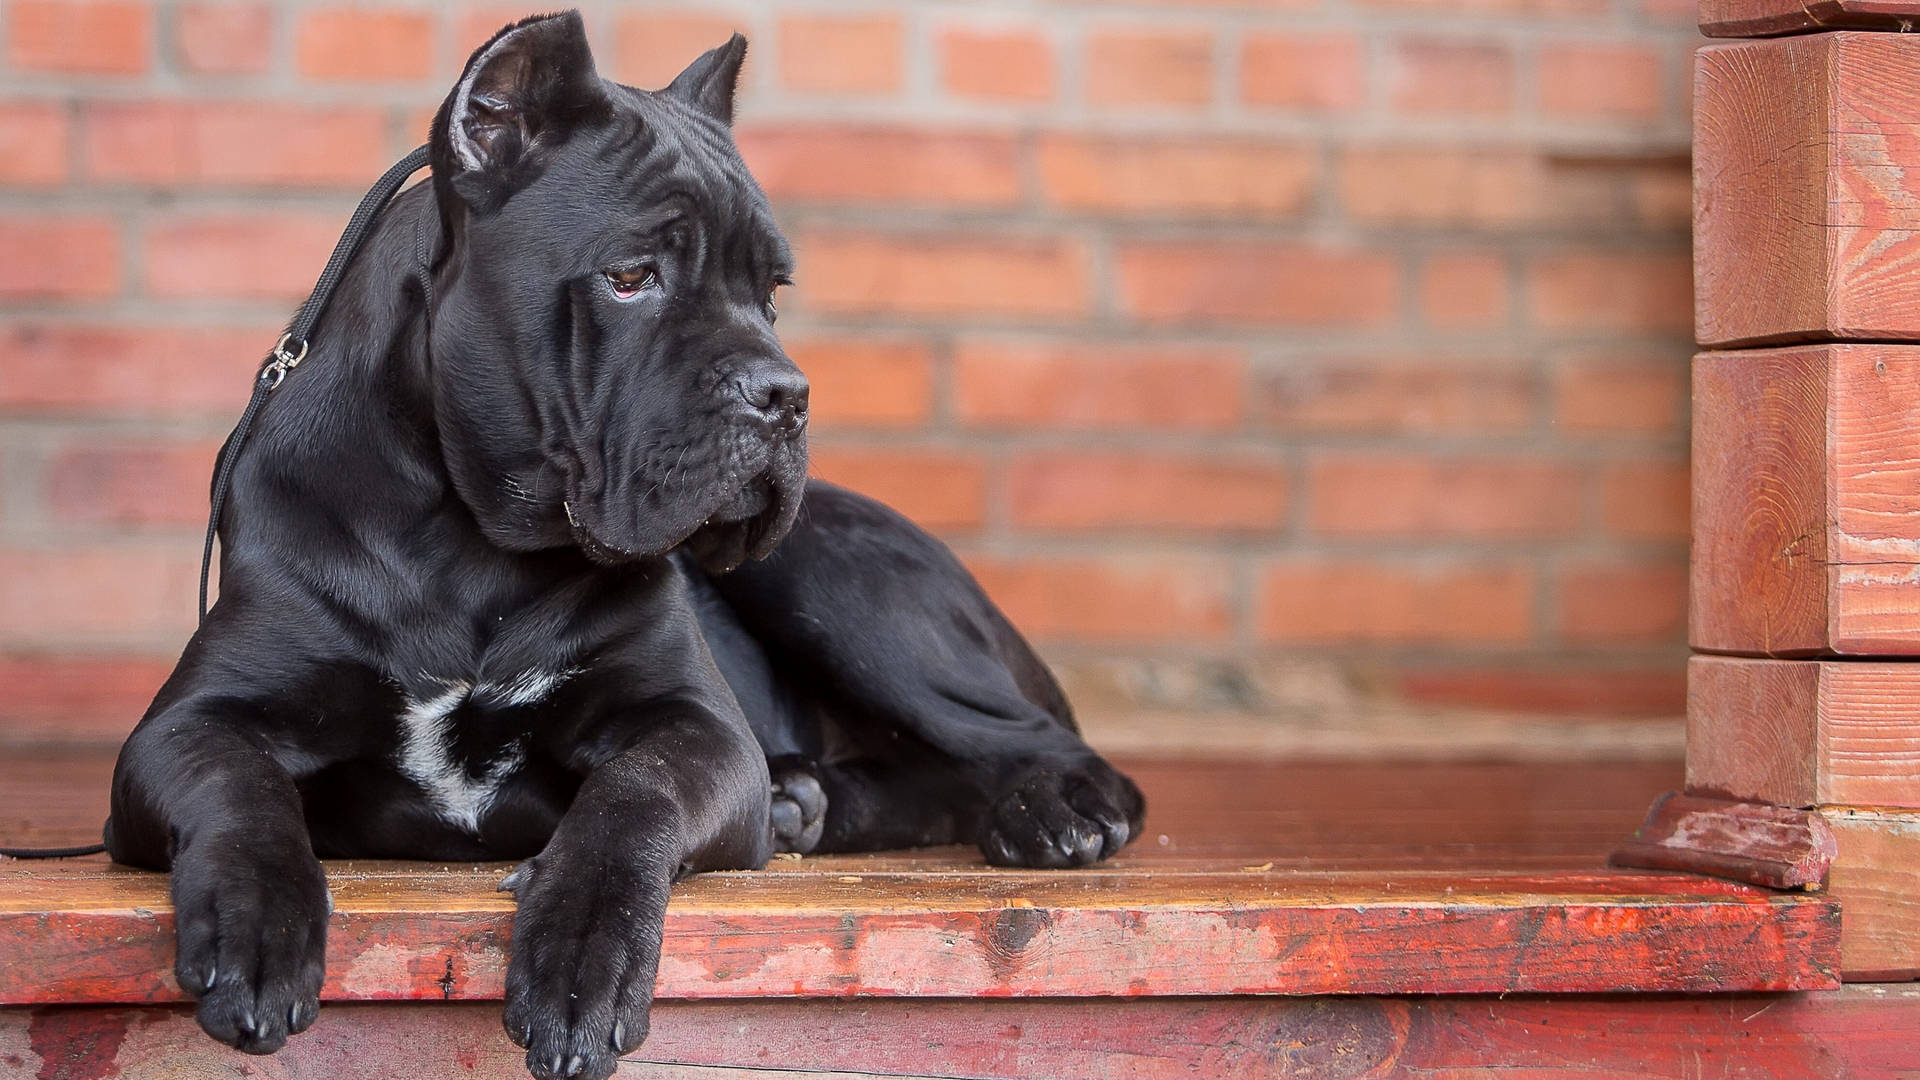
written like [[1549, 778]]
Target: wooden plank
[[1804, 733], [1807, 189], [1863, 1032], [1741, 841], [1806, 467], [85, 933], [1765, 18], [1876, 879]]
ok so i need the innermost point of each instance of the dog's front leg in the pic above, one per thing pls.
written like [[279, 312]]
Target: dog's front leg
[[195, 791], [689, 793]]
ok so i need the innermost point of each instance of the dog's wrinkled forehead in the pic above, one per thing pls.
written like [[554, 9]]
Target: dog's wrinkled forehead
[[663, 153]]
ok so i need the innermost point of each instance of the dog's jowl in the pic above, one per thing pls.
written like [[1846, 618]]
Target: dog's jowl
[[523, 564]]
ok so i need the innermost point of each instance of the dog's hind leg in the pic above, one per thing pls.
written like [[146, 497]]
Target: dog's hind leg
[[881, 624]]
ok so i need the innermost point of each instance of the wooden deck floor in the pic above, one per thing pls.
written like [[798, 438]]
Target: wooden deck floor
[[1253, 878], [1484, 883]]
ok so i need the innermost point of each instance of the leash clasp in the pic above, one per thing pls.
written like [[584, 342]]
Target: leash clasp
[[284, 360]]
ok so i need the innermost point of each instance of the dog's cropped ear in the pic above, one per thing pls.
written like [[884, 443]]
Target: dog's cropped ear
[[708, 82], [522, 94]]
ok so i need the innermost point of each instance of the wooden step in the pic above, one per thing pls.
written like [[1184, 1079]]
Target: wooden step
[[942, 925], [1807, 189], [1806, 469], [1253, 877], [1858, 1032], [1764, 18]]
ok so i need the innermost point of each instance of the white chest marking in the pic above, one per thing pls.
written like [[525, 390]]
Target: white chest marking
[[425, 757]]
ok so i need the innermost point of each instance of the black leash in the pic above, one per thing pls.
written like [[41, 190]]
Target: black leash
[[287, 354], [291, 349]]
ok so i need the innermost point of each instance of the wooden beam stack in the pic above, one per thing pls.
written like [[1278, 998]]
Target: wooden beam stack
[[1804, 690]]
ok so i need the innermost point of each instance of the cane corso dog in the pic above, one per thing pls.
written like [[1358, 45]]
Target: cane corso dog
[[522, 563]]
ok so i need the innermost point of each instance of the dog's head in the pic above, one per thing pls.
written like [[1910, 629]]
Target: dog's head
[[605, 369]]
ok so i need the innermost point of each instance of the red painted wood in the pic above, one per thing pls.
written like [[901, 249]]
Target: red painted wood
[[1742, 841], [1860, 1033], [91, 934]]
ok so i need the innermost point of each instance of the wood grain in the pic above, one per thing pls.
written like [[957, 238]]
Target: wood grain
[[1876, 879], [1806, 467], [1764, 18], [1752, 842], [1855, 1032], [81, 933], [1807, 189], [1804, 732]]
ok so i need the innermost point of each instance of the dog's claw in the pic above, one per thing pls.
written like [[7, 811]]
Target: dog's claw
[[619, 1035], [511, 881], [573, 1065]]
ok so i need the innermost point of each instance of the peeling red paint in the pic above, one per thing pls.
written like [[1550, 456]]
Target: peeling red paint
[[77, 1043]]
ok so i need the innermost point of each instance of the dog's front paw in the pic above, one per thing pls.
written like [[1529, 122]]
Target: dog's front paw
[[799, 805], [251, 929], [586, 948], [1058, 814]]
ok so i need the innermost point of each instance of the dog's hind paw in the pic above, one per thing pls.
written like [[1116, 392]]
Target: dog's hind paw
[[1062, 814], [799, 809]]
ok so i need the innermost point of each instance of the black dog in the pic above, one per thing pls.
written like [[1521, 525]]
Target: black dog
[[500, 581]]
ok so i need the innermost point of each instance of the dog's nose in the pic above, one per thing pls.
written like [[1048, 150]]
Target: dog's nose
[[777, 393]]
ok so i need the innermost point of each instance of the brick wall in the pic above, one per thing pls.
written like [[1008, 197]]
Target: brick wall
[[1225, 340]]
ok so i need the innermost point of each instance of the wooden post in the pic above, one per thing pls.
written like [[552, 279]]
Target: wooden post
[[1803, 728]]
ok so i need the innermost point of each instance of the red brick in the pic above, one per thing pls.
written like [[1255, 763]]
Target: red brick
[[1075, 491], [1175, 600], [1662, 195], [1496, 7], [1087, 386], [362, 44], [1365, 494], [1303, 71], [88, 37], [1386, 396], [1465, 290], [943, 274], [33, 143], [1646, 500], [238, 256], [223, 39], [1601, 80], [68, 698], [650, 47], [1149, 67], [1376, 603], [95, 594], [59, 257], [1627, 693], [1266, 284], [474, 24], [861, 383], [864, 165], [841, 54], [1469, 186], [939, 490], [153, 370], [1633, 602], [1452, 76], [1623, 291], [1226, 178], [235, 142], [1601, 394], [130, 483], [997, 64]]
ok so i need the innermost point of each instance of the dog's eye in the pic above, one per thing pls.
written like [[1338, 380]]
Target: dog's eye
[[628, 282], [773, 308]]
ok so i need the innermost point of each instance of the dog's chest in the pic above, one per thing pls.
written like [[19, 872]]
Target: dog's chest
[[461, 741]]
